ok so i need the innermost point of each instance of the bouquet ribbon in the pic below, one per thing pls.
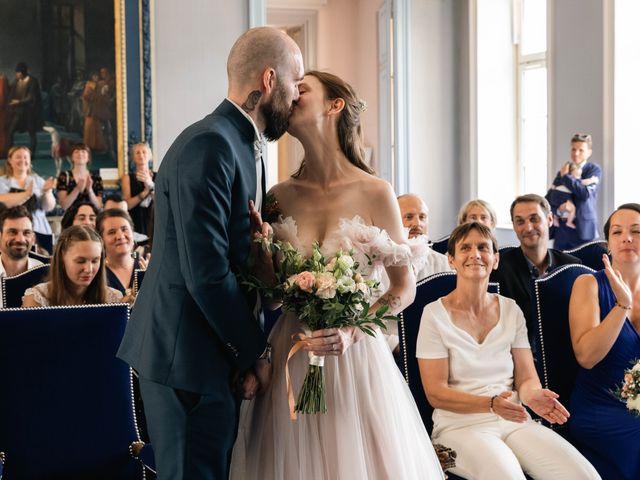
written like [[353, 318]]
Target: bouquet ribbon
[[313, 360]]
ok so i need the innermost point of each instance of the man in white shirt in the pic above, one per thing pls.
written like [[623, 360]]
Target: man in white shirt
[[16, 239], [415, 217]]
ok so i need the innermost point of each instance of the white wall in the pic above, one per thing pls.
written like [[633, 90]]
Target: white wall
[[192, 41], [435, 113]]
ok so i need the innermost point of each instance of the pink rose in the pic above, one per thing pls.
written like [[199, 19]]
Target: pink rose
[[305, 281]]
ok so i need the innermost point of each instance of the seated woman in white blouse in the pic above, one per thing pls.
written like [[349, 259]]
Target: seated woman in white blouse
[[478, 373]]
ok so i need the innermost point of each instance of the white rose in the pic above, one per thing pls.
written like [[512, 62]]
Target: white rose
[[636, 367], [325, 285], [346, 284], [634, 403], [345, 262]]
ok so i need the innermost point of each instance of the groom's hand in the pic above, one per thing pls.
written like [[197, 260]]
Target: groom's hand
[[256, 380]]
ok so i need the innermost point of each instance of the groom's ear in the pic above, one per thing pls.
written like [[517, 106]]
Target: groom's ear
[[336, 106]]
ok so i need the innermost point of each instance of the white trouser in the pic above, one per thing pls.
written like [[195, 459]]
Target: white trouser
[[499, 449]]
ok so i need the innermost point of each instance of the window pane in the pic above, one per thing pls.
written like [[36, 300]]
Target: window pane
[[534, 130], [534, 27]]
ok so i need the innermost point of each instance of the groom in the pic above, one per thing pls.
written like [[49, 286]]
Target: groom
[[192, 327]]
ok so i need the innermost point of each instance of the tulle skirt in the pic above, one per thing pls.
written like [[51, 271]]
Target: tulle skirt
[[372, 429]]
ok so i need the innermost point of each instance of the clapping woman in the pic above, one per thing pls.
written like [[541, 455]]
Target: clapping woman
[[478, 374], [20, 186], [80, 184], [604, 315], [138, 187]]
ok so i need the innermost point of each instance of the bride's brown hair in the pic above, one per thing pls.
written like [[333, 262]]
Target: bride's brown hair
[[349, 126]]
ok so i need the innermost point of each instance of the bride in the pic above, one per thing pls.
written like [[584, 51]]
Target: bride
[[372, 429]]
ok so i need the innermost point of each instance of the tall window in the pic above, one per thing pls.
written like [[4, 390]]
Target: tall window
[[532, 76], [511, 86]]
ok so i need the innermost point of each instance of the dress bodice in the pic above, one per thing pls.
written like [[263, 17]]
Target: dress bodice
[[372, 246], [597, 383]]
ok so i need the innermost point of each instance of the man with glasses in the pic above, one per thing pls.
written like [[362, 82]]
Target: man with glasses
[[584, 191]]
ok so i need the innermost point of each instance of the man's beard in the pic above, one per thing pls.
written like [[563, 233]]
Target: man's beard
[[16, 254], [276, 114]]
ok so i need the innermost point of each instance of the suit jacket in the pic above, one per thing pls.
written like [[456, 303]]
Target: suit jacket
[[585, 199], [515, 281], [191, 323]]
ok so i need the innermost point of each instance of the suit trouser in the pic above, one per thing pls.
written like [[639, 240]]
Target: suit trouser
[[192, 434], [499, 449]]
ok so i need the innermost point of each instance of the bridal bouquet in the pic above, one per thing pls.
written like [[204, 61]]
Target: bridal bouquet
[[629, 391], [323, 294]]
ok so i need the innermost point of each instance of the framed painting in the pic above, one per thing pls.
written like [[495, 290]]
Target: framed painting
[[90, 62]]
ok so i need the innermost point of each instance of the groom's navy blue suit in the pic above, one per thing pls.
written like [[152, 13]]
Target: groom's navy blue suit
[[192, 325]]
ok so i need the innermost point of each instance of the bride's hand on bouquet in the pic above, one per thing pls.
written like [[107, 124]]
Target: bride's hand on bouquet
[[545, 403], [332, 341]]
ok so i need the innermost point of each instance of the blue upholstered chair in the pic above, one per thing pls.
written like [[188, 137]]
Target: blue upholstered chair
[[66, 404], [13, 287], [138, 277], [440, 245], [555, 361], [590, 253], [43, 258], [45, 240], [507, 248]]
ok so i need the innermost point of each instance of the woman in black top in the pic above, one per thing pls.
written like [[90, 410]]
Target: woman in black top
[[137, 189], [80, 184]]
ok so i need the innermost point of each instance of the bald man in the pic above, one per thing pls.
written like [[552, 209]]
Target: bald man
[[193, 329], [415, 217]]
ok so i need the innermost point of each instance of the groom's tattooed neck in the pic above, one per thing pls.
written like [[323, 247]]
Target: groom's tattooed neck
[[251, 101], [392, 300]]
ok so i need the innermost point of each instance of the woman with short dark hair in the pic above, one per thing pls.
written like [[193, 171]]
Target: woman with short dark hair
[[478, 373]]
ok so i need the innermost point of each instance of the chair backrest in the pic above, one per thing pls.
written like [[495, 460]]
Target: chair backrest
[[138, 277], [13, 287], [440, 245], [590, 253], [555, 361], [507, 248], [428, 290], [66, 404], [45, 240], [42, 258]]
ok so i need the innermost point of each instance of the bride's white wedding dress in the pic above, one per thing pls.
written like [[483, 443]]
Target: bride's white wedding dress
[[372, 429]]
